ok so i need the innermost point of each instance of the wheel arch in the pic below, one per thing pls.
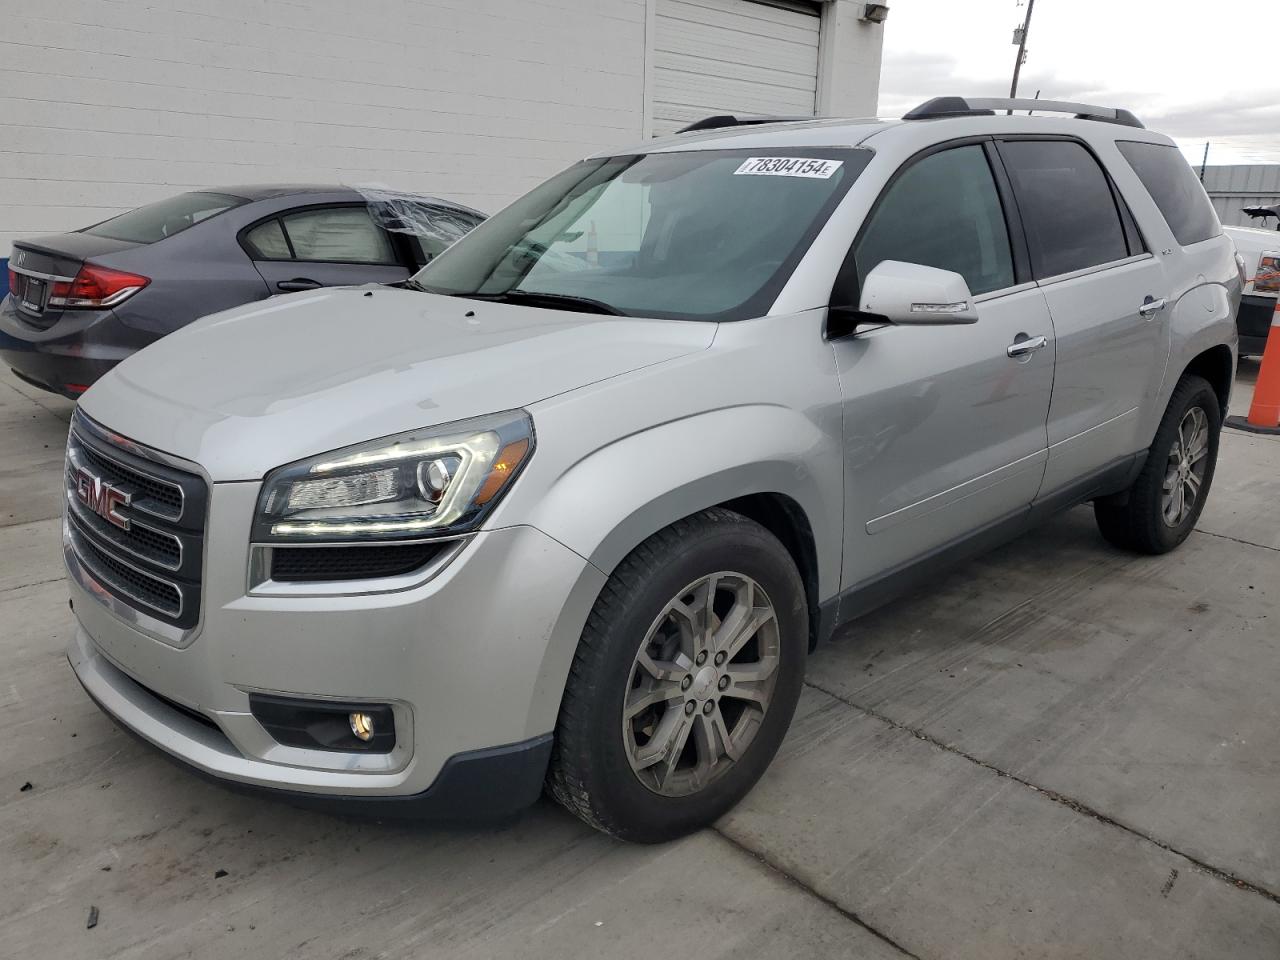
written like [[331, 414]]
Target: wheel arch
[[773, 464], [1216, 365], [782, 516]]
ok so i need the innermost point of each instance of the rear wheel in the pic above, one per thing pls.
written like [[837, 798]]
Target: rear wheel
[[685, 680], [1162, 506]]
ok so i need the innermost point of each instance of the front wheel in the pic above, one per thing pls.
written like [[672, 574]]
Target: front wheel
[[1162, 506], [685, 680]]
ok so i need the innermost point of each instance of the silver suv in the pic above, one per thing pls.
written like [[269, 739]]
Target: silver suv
[[571, 506]]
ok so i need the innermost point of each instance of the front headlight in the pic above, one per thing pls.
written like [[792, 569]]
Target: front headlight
[[415, 485]]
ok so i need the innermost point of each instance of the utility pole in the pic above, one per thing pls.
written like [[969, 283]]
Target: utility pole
[[1022, 50]]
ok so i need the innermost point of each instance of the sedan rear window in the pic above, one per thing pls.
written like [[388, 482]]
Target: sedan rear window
[[156, 221]]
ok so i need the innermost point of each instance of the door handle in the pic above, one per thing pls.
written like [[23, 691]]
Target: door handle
[[298, 283], [1025, 346], [1150, 307]]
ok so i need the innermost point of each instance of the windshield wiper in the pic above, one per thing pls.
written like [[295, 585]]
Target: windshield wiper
[[410, 284], [552, 301]]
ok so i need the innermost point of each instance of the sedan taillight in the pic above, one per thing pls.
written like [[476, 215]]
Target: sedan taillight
[[1268, 276], [95, 287]]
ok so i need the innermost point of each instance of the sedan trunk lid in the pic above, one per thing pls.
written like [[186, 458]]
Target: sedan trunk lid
[[40, 262]]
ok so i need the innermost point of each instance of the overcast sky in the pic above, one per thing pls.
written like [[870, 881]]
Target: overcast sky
[[1195, 69]]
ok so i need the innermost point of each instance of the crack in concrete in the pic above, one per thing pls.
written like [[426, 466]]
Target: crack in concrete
[[35, 583], [820, 897], [1071, 803], [1247, 543]]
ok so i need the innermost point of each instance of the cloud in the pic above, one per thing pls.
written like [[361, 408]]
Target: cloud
[[1183, 71]]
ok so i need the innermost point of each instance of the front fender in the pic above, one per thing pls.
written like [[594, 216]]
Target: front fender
[[605, 505], [619, 460]]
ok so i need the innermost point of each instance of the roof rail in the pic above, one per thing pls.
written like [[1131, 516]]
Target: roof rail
[[987, 106], [729, 120]]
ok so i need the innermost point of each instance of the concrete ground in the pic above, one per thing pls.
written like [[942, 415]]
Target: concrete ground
[[1057, 751]]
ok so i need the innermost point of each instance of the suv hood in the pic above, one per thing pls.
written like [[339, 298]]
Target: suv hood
[[246, 390]]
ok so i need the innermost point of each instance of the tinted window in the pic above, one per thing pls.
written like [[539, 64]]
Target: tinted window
[[343, 234], [1067, 206], [266, 241], [156, 221], [1175, 189], [942, 212]]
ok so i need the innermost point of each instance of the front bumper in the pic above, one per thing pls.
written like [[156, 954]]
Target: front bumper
[[477, 784], [473, 662]]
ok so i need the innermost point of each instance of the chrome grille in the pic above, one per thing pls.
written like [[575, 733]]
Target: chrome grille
[[125, 581], [153, 495], [141, 542], [147, 549]]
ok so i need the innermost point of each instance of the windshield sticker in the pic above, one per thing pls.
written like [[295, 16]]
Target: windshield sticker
[[788, 167]]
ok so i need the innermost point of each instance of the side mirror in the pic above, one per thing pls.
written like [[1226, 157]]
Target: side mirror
[[910, 293]]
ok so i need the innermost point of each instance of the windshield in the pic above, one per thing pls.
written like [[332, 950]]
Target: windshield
[[707, 234], [156, 221]]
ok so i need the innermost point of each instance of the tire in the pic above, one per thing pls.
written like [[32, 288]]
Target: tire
[[594, 770], [1137, 519]]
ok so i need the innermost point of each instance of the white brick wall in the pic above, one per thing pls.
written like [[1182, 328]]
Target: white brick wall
[[107, 104]]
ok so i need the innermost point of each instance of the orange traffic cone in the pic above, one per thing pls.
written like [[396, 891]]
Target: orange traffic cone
[[1264, 413]]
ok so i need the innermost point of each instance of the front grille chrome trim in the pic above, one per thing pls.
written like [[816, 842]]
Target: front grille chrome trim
[[77, 510], [85, 557], [138, 581], [129, 468], [139, 620]]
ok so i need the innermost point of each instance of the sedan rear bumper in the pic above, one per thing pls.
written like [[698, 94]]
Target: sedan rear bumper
[[66, 376], [69, 355]]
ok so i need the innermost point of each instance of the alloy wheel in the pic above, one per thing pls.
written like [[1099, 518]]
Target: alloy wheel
[[701, 684], [1184, 475]]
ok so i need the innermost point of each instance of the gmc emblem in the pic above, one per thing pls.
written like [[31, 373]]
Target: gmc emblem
[[102, 498]]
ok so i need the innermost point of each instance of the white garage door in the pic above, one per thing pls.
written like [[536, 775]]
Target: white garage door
[[733, 56]]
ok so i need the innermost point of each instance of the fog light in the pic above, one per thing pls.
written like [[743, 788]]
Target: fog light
[[361, 725], [326, 724]]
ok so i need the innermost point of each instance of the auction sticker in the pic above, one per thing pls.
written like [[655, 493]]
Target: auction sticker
[[788, 167]]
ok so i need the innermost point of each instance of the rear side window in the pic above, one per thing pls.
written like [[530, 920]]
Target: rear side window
[[266, 241], [1068, 209], [1175, 189], [342, 234], [942, 211], [324, 234], [156, 221]]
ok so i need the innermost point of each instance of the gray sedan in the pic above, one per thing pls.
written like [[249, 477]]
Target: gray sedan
[[81, 302]]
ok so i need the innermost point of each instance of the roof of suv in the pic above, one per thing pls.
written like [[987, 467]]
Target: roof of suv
[[837, 132]]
